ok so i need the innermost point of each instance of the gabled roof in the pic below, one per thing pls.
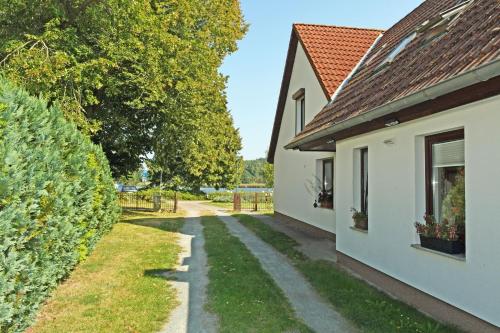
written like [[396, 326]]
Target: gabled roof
[[332, 51], [471, 41]]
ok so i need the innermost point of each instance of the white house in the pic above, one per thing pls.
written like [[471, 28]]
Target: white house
[[415, 130], [319, 59]]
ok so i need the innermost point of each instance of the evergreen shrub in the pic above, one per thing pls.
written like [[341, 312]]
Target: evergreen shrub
[[57, 200]]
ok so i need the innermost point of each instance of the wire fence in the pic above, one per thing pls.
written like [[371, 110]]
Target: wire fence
[[147, 202]]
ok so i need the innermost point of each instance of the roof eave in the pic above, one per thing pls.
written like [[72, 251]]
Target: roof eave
[[285, 84], [480, 74]]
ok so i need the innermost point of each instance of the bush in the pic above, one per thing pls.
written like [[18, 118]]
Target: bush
[[57, 200], [221, 196], [170, 194]]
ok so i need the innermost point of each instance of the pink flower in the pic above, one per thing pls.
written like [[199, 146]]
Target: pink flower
[[438, 231], [452, 232]]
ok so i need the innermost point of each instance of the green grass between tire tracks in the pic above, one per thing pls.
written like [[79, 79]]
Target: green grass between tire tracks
[[240, 292], [371, 310]]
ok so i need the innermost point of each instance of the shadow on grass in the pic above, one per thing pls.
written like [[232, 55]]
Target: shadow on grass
[[162, 221], [159, 273]]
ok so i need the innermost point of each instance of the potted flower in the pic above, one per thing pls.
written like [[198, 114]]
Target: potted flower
[[360, 219], [443, 237], [325, 199]]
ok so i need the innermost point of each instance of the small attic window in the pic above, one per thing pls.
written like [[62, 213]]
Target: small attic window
[[438, 26], [397, 50]]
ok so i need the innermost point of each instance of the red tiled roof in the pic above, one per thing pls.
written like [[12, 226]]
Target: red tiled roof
[[472, 40], [332, 51]]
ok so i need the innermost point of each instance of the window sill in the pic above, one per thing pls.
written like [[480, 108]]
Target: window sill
[[359, 230], [459, 257]]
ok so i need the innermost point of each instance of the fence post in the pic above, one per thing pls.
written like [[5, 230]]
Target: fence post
[[175, 202], [236, 202], [136, 201], [256, 207]]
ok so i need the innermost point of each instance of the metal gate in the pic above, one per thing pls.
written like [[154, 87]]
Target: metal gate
[[252, 201], [147, 202]]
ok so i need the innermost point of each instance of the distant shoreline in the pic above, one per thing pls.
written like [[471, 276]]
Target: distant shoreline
[[256, 185]]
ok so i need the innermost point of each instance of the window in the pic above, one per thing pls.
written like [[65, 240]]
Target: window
[[364, 180], [326, 195], [300, 114], [445, 177], [396, 50]]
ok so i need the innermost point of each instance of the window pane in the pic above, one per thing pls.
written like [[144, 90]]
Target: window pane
[[298, 117], [448, 181], [302, 113], [328, 175], [364, 181]]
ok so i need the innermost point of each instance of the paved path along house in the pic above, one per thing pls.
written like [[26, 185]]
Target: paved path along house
[[307, 304]]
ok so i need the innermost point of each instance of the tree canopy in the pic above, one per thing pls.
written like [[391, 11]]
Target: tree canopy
[[140, 77], [258, 171]]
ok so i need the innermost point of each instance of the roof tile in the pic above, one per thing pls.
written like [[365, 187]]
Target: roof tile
[[471, 40], [334, 51]]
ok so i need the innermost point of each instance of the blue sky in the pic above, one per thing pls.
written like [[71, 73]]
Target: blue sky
[[256, 69]]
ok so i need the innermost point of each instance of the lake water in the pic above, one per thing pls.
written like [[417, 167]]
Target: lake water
[[208, 190]]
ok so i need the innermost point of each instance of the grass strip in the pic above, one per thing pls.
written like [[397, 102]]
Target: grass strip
[[119, 287], [240, 292], [371, 310]]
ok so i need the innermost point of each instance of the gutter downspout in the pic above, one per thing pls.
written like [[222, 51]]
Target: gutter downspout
[[480, 74]]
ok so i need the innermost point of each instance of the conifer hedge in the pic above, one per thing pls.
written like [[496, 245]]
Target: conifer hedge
[[57, 199]]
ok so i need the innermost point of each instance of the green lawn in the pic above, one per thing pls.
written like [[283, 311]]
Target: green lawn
[[117, 288], [371, 310], [227, 205], [240, 292]]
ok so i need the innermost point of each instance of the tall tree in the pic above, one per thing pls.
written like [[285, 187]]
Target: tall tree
[[269, 174], [139, 76]]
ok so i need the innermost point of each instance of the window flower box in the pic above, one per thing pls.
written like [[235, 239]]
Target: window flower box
[[443, 237], [442, 245]]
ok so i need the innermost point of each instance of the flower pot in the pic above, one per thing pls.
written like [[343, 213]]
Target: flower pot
[[442, 245], [361, 224], [326, 204]]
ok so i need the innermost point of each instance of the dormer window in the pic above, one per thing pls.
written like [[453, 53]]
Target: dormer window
[[300, 110]]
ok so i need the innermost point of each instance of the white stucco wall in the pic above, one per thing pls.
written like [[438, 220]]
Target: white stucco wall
[[397, 200], [295, 173]]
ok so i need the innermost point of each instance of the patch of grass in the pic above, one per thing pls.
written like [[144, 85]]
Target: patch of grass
[[240, 292], [226, 205], [371, 310], [278, 240], [115, 289]]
